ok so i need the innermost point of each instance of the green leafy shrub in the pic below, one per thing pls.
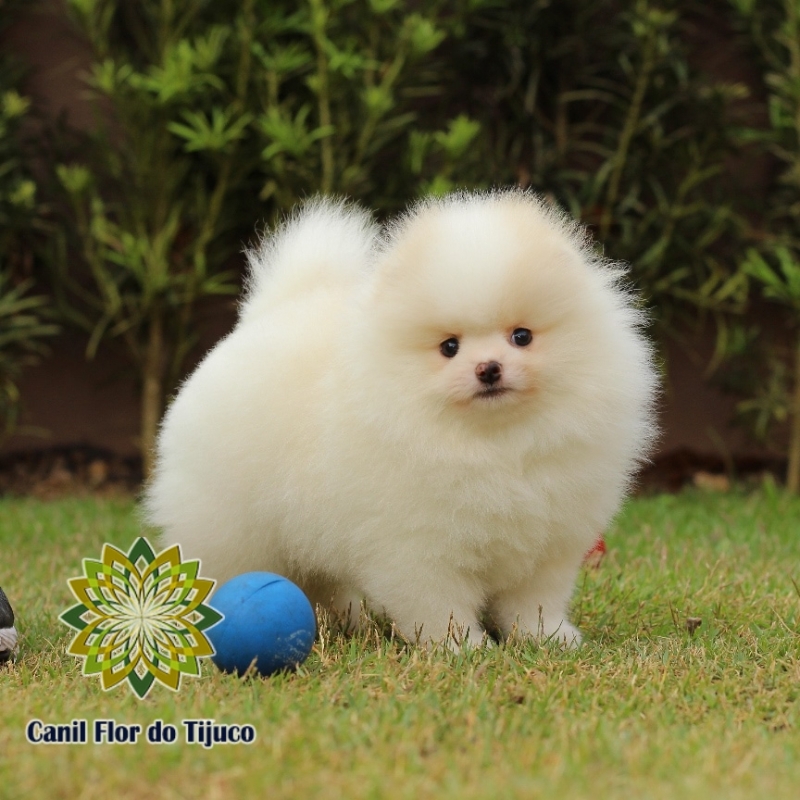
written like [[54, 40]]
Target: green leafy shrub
[[772, 30], [341, 91], [22, 328], [23, 323], [152, 197], [213, 117], [598, 105], [210, 118]]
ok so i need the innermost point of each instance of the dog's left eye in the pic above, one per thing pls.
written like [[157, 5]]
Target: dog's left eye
[[521, 337], [449, 347]]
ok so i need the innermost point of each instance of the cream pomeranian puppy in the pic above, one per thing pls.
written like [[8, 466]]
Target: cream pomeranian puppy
[[439, 419]]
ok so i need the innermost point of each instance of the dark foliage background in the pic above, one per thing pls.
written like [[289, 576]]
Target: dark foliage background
[[211, 118]]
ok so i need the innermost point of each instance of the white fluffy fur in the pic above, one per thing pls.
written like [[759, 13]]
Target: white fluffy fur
[[328, 439]]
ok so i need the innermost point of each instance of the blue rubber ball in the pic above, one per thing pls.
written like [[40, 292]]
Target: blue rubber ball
[[266, 618]]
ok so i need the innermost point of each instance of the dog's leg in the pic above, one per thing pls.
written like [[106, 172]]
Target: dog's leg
[[538, 607], [429, 606], [346, 604], [341, 603]]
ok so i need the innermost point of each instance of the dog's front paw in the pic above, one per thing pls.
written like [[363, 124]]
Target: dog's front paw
[[565, 634], [459, 638], [545, 631]]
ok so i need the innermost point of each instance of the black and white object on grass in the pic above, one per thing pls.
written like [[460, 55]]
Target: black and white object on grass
[[8, 634]]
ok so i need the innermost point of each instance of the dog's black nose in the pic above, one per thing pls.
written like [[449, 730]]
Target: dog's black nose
[[489, 372]]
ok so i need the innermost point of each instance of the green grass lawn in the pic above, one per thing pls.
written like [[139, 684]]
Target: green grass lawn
[[644, 709]]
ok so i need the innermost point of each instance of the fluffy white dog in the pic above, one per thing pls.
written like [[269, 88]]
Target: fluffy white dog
[[439, 419]]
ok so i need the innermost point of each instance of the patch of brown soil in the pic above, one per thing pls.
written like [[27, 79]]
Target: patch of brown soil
[[61, 471], [673, 471]]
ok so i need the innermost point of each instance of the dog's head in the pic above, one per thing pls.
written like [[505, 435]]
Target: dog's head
[[491, 302]]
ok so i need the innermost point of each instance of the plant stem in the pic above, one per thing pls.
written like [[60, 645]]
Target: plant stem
[[318, 17], [152, 388], [793, 45], [248, 25], [793, 478], [628, 130], [208, 225], [387, 83], [561, 122]]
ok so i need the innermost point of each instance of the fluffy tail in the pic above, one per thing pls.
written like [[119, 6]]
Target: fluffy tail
[[325, 243]]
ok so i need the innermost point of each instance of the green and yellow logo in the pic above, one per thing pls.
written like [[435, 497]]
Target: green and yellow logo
[[140, 617]]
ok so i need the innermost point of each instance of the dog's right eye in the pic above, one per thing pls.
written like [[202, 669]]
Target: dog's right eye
[[449, 347]]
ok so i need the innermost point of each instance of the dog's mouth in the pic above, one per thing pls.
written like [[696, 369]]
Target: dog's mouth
[[492, 392]]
